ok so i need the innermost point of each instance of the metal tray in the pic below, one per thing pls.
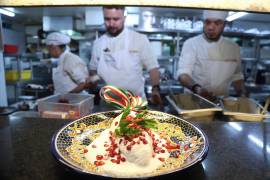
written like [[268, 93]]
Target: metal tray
[[190, 105], [242, 108]]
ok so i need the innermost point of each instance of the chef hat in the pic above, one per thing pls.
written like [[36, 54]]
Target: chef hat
[[215, 14], [57, 38]]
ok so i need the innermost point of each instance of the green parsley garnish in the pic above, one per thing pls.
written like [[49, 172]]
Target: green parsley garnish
[[138, 123]]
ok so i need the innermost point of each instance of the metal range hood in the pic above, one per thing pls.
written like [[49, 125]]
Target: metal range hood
[[57, 23]]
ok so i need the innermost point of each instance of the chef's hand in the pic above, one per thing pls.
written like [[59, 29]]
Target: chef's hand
[[155, 98], [50, 87], [92, 81], [89, 85], [204, 93]]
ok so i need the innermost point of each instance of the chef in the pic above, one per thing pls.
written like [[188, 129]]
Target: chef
[[120, 55], [209, 63], [71, 72]]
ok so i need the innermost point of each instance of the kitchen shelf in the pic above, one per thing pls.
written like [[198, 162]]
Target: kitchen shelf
[[196, 32]]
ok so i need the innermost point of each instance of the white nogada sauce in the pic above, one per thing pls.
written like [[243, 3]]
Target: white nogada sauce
[[133, 166]]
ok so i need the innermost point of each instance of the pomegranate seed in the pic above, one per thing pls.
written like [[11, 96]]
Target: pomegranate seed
[[94, 146], [162, 151], [99, 157], [161, 159], [129, 118], [117, 161], [136, 136], [118, 157], [186, 147], [116, 123], [145, 141], [132, 143], [115, 146], [128, 147], [85, 151], [99, 163], [123, 159], [172, 146], [113, 160], [111, 155], [141, 138]]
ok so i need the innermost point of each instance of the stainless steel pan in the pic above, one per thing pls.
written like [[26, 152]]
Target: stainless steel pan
[[191, 105]]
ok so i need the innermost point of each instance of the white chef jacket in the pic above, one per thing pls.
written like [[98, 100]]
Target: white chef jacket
[[213, 65], [70, 71], [120, 60]]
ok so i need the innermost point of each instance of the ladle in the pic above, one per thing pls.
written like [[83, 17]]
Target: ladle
[[266, 105]]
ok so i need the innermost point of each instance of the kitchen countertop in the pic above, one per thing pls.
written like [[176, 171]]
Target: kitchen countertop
[[237, 150]]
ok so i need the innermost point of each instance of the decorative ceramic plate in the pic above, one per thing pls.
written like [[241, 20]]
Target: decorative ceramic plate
[[69, 143]]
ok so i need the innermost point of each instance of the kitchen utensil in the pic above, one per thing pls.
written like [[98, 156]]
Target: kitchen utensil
[[266, 105]]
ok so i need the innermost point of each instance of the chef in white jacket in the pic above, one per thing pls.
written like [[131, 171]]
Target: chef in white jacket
[[209, 63], [71, 72], [118, 57]]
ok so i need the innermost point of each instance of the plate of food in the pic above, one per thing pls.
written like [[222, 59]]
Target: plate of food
[[132, 142]]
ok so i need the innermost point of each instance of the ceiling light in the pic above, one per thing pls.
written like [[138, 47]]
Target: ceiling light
[[9, 9], [7, 12], [235, 15]]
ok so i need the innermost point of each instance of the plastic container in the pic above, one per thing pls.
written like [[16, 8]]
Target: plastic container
[[10, 49], [13, 75], [66, 106]]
